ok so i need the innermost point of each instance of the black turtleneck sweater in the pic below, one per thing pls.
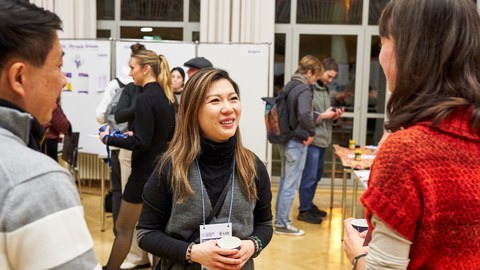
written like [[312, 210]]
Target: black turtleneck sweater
[[215, 162]]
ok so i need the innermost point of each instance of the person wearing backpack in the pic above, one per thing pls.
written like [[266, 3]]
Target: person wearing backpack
[[326, 117], [293, 152]]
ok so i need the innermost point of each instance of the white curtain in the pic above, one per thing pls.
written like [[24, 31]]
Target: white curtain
[[79, 16], [237, 21]]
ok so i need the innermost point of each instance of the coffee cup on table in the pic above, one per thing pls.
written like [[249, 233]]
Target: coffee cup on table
[[231, 242], [360, 224]]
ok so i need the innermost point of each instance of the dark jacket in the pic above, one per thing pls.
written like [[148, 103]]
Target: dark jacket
[[299, 102], [154, 125]]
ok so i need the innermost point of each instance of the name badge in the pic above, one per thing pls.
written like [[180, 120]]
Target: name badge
[[213, 232]]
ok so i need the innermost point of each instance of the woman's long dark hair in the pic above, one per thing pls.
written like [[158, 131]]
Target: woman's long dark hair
[[437, 49]]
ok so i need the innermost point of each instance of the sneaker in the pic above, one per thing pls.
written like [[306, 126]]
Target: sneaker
[[307, 216], [317, 212], [288, 230]]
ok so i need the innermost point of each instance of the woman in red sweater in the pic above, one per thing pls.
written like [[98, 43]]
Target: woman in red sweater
[[423, 196]]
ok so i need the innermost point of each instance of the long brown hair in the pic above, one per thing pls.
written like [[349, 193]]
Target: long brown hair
[[185, 147], [437, 47]]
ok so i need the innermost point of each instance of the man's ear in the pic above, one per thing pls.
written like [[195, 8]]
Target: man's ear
[[309, 73], [16, 77]]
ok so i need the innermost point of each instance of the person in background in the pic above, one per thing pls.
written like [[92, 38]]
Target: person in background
[[196, 64], [41, 216], [207, 154], [121, 158], [294, 152], [154, 125], [115, 85], [125, 112], [178, 80], [324, 117], [59, 124], [422, 202]]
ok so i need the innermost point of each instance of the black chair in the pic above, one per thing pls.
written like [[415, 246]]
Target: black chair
[[70, 155]]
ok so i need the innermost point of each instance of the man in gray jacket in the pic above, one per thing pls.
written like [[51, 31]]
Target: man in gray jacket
[[41, 217], [324, 116]]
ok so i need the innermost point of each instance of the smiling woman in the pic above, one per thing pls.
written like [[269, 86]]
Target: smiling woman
[[219, 115], [206, 157]]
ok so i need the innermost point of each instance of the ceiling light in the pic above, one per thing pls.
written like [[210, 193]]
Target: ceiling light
[[146, 29]]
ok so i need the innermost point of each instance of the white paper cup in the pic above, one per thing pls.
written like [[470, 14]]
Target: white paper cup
[[360, 224], [231, 242]]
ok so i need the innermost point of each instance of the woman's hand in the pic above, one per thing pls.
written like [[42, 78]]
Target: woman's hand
[[210, 255], [353, 240], [102, 134], [247, 249]]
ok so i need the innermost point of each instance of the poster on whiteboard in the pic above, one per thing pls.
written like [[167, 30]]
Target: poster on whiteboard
[[86, 65]]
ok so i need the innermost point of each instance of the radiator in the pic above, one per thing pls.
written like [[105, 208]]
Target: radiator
[[90, 167]]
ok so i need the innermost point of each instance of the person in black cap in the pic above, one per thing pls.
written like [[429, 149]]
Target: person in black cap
[[195, 64]]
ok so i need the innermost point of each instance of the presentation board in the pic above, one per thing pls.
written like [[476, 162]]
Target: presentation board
[[177, 53], [249, 67], [86, 65]]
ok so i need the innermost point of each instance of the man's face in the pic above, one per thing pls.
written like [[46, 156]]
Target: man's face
[[328, 76], [191, 71], [44, 84]]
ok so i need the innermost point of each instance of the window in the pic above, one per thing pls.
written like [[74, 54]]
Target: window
[[282, 11], [152, 10], [194, 11], [158, 33], [375, 9], [105, 10], [103, 33], [329, 11]]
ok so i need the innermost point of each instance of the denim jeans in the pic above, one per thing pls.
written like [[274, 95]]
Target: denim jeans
[[312, 173], [293, 156]]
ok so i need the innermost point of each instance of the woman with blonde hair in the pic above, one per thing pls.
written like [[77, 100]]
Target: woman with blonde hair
[[207, 184], [153, 128]]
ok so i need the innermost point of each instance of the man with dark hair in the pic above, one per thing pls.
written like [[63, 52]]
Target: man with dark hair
[[41, 217], [195, 64]]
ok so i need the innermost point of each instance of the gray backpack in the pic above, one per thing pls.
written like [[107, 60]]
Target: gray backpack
[[112, 107]]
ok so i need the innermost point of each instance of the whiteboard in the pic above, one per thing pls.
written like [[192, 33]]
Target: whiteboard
[[87, 66], [249, 66], [177, 53]]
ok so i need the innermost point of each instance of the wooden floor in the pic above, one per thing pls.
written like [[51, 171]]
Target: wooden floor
[[320, 247]]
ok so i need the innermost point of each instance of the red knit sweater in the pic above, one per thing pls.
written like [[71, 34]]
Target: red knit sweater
[[425, 184]]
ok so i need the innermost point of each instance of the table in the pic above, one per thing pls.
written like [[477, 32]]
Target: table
[[362, 178], [346, 156]]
